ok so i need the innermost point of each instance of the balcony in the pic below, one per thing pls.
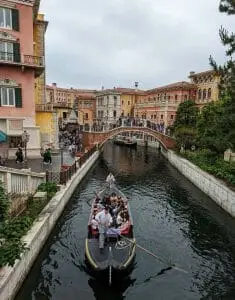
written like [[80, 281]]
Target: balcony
[[44, 107], [62, 105], [24, 61]]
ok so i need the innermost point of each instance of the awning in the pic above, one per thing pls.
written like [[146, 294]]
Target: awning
[[3, 137]]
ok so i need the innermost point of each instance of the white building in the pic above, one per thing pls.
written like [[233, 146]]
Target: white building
[[108, 107]]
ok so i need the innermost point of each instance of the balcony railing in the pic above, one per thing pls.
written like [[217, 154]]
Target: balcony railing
[[24, 60], [44, 107]]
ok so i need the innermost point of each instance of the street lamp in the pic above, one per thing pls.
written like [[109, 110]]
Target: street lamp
[[61, 145], [25, 140]]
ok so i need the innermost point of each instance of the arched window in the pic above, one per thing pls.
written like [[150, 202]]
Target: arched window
[[209, 93], [185, 97], [199, 94], [204, 94]]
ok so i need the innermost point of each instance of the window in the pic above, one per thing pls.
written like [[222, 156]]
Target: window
[[15, 141], [176, 97], [114, 114], [6, 51], [64, 115], [209, 93], [7, 96], [161, 116], [199, 95], [5, 18], [172, 117], [128, 103], [185, 97], [86, 116], [204, 94]]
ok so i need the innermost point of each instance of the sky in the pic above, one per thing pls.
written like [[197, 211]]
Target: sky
[[113, 43]]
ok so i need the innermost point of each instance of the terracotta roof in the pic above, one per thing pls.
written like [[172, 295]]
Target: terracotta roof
[[177, 85], [209, 72]]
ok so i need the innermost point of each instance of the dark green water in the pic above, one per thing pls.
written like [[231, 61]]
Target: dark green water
[[172, 218]]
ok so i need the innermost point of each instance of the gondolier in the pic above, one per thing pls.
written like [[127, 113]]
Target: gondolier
[[104, 220]]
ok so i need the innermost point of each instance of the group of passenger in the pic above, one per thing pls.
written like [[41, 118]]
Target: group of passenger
[[110, 214]]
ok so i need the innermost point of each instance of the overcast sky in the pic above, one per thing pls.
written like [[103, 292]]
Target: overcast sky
[[91, 43]]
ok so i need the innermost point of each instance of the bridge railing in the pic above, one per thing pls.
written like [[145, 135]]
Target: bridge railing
[[131, 122]]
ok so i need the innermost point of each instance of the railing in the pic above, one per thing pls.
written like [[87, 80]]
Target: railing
[[34, 60], [44, 107], [131, 122], [15, 58], [20, 181], [67, 171]]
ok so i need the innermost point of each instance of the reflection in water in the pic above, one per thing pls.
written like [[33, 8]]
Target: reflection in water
[[172, 219]]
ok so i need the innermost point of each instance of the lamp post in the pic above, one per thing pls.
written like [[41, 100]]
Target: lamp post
[[61, 145], [25, 140]]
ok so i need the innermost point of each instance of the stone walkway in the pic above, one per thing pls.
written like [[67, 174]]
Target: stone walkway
[[37, 164]]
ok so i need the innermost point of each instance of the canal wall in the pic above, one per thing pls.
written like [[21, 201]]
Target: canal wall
[[11, 278], [211, 186]]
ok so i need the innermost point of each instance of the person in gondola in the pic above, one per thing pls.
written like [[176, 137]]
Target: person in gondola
[[104, 220]]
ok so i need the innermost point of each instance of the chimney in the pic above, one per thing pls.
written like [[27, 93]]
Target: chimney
[[191, 73], [102, 88], [54, 84], [136, 85]]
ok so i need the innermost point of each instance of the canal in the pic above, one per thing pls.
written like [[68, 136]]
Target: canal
[[172, 218]]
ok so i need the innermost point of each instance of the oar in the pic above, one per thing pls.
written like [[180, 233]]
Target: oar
[[169, 266]]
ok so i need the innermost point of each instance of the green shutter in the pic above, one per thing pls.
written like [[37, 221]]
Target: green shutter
[[0, 97], [18, 97], [15, 20], [16, 52]]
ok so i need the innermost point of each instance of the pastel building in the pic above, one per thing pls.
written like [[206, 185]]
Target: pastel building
[[108, 107], [19, 67], [160, 104], [207, 84]]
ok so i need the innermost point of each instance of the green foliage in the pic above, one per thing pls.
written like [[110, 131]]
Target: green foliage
[[12, 231], [186, 115], [4, 203], [226, 122], [211, 132], [184, 127], [50, 187], [185, 136], [212, 163], [10, 251]]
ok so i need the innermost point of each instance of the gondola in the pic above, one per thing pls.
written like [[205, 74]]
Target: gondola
[[125, 141], [119, 248]]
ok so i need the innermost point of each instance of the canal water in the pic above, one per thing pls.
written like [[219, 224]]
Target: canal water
[[172, 219]]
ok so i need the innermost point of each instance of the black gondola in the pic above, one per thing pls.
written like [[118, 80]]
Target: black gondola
[[125, 141], [119, 248]]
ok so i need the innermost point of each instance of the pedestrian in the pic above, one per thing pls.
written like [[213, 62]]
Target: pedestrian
[[104, 220], [47, 156], [19, 155]]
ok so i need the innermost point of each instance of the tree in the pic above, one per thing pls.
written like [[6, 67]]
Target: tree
[[186, 115], [209, 128], [185, 124], [226, 123]]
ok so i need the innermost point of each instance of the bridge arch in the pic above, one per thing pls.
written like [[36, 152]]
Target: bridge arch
[[91, 138]]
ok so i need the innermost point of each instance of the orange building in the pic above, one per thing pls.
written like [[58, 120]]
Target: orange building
[[18, 69], [160, 104]]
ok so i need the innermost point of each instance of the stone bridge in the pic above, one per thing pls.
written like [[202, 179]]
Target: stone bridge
[[92, 137]]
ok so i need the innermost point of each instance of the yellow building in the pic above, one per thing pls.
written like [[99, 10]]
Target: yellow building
[[207, 86], [129, 98], [46, 117]]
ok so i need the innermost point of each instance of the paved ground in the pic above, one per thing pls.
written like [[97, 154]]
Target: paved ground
[[37, 165]]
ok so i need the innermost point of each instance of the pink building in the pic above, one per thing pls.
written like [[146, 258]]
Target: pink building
[[18, 69]]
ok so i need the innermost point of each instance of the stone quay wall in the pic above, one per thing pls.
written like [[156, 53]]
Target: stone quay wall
[[11, 278], [213, 187]]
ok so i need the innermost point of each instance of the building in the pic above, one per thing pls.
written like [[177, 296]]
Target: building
[[207, 84], [19, 67], [160, 104], [129, 98], [85, 105], [108, 107]]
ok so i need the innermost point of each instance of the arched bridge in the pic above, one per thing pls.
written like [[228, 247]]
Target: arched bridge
[[92, 137]]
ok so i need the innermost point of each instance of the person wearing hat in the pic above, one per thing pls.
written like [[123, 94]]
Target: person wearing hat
[[104, 220]]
